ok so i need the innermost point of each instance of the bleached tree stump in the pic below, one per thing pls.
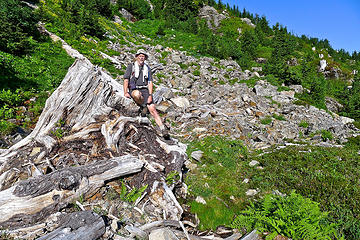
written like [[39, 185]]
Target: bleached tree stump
[[88, 133]]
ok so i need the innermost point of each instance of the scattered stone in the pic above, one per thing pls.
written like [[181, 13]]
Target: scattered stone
[[252, 236], [162, 234], [181, 102], [128, 16], [197, 155], [212, 17], [253, 163], [199, 199], [199, 130], [251, 192]]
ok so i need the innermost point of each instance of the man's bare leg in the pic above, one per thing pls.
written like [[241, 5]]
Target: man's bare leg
[[158, 121], [138, 97]]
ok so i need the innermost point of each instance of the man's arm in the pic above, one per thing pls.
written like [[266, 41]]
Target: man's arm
[[126, 88], [150, 88], [127, 76]]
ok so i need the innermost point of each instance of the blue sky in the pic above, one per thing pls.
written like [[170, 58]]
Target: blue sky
[[335, 20]]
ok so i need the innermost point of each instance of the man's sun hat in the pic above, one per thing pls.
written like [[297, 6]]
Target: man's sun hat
[[142, 51]]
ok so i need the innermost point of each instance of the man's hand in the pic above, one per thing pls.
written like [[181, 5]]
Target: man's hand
[[127, 95], [150, 99]]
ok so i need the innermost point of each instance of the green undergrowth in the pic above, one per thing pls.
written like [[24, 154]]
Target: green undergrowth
[[329, 177], [172, 38], [28, 76], [42, 69], [293, 216], [214, 179]]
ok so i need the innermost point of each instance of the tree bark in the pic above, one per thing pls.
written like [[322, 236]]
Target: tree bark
[[30, 200]]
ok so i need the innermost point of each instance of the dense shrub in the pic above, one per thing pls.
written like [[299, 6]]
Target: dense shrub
[[17, 26], [328, 176], [292, 216]]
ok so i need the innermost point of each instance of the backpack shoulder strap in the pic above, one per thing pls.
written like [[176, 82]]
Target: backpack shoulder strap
[[133, 69]]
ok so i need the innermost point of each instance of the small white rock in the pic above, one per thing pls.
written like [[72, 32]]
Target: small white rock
[[200, 200], [246, 180], [199, 130], [251, 192], [253, 163], [197, 155]]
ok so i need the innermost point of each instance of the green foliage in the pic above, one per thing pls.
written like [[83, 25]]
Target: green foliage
[[267, 120], [284, 46], [43, 69], [58, 132], [6, 112], [292, 216], [132, 195], [13, 98], [279, 117], [76, 18], [6, 127], [139, 8], [325, 135], [328, 176], [212, 214], [303, 124], [352, 103], [316, 96], [222, 159], [17, 27], [196, 72], [172, 177]]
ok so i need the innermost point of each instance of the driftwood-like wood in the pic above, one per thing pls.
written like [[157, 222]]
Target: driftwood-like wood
[[88, 133], [29, 200], [84, 225]]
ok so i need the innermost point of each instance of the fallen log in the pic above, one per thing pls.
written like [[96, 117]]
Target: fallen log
[[85, 225], [29, 201]]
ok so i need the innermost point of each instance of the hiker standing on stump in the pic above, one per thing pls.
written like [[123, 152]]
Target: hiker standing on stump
[[138, 85]]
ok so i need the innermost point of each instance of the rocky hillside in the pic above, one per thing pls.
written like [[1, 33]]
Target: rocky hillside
[[206, 98], [90, 145]]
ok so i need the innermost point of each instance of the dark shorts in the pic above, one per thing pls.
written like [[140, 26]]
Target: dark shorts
[[145, 94]]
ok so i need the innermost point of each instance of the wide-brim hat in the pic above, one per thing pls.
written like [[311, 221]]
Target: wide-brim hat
[[142, 51]]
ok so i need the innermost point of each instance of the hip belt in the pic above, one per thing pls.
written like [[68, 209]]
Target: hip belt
[[139, 87]]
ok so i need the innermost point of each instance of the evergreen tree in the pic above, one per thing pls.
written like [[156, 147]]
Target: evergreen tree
[[284, 46], [353, 103], [249, 43]]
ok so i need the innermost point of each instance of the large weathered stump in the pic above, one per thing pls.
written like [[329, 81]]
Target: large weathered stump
[[88, 133]]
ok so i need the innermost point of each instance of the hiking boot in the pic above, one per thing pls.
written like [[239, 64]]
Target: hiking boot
[[165, 134], [144, 112]]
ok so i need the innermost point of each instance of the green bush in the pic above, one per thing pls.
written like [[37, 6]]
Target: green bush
[[303, 124], [328, 176], [279, 117], [292, 216], [6, 127], [17, 27], [267, 120], [326, 135]]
